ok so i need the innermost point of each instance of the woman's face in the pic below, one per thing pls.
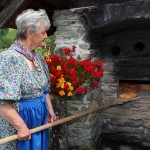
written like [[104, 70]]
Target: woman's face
[[38, 37]]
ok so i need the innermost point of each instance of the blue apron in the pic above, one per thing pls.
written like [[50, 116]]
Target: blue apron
[[34, 113]]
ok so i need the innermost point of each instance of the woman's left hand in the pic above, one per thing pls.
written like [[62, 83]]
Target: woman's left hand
[[51, 118]]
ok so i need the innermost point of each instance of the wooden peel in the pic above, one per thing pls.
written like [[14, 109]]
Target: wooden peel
[[66, 119]]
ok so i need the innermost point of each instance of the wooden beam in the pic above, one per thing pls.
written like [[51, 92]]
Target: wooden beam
[[9, 13]]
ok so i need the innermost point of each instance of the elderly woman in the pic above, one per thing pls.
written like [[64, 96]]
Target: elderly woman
[[24, 85]]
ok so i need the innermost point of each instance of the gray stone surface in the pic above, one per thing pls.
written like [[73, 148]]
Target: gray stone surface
[[130, 121], [71, 31]]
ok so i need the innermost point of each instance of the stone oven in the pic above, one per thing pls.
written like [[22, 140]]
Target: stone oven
[[124, 31], [126, 58], [117, 32]]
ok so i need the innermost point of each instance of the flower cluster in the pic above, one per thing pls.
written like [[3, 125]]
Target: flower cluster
[[68, 74]]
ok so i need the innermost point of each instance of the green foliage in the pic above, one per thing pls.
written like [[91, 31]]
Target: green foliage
[[50, 43], [7, 37], [3, 32]]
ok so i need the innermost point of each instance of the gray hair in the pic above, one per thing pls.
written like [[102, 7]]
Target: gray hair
[[32, 20]]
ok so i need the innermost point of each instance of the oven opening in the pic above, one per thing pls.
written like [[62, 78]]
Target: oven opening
[[131, 88]]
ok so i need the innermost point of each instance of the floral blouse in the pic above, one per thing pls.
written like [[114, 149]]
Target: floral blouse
[[17, 81]]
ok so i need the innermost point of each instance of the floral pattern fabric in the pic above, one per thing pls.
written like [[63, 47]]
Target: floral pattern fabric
[[18, 81], [18, 47]]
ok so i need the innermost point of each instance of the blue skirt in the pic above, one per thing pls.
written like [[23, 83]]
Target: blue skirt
[[34, 113]]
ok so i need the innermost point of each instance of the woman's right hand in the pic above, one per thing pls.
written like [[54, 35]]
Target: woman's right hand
[[23, 133], [12, 117]]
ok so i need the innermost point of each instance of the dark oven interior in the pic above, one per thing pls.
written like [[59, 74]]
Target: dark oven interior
[[128, 52]]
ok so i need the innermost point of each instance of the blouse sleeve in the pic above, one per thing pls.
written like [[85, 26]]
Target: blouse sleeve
[[10, 79]]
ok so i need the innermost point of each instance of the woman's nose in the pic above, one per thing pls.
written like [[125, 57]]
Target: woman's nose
[[45, 35]]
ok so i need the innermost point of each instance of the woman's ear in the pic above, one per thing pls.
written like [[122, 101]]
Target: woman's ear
[[29, 34]]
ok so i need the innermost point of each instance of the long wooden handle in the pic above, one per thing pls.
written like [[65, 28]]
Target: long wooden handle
[[63, 120]]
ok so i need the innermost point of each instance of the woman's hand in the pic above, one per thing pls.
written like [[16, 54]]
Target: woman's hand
[[51, 118], [23, 133], [12, 117]]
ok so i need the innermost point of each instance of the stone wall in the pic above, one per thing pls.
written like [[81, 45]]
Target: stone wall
[[71, 30], [129, 122], [89, 28]]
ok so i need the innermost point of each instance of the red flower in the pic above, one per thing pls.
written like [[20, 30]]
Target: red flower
[[97, 74], [66, 86], [81, 90], [65, 68], [75, 82], [55, 58], [82, 74], [94, 84], [98, 63], [72, 72], [48, 48], [67, 51], [82, 80], [72, 62], [52, 69], [53, 80], [58, 74], [74, 48], [87, 65]]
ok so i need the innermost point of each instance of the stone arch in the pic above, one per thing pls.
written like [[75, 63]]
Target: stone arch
[[132, 14]]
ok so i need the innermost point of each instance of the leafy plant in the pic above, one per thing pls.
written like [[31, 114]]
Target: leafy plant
[[3, 32], [49, 46], [7, 37]]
